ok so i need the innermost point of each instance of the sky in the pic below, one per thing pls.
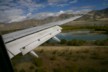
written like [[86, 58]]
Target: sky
[[19, 10]]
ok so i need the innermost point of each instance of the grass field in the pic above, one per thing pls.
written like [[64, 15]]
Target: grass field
[[64, 59]]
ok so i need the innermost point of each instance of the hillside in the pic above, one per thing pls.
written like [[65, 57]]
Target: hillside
[[64, 59], [99, 17], [95, 15], [4, 28]]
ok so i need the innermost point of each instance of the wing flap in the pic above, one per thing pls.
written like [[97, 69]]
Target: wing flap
[[33, 40], [41, 40]]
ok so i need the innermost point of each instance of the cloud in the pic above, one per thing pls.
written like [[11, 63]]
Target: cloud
[[29, 14], [21, 4], [74, 1], [69, 11], [17, 10], [83, 11], [11, 15], [44, 15], [56, 1], [5, 1], [4, 7], [17, 19], [87, 7], [31, 5], [61, 12], [61, 3]]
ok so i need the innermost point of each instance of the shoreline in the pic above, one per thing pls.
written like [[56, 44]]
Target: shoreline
[[65, 47]]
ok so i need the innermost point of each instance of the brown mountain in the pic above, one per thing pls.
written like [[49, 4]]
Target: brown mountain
[[31, 23], [95, 15]]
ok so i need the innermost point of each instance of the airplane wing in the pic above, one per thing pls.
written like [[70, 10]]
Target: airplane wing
[[24, 41]]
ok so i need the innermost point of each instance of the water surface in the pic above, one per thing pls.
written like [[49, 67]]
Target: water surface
[[82, 35]]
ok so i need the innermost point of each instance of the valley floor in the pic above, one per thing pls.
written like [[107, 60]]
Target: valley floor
[[64, 59]]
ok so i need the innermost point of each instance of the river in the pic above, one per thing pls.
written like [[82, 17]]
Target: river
[[82, 35]]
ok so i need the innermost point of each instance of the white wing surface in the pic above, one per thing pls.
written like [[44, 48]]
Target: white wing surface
[[25, 41]]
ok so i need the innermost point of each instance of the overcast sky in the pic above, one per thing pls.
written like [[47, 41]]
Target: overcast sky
[[19, 10]]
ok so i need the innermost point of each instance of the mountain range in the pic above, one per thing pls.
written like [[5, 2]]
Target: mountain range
[[95, 15], [90, 16]]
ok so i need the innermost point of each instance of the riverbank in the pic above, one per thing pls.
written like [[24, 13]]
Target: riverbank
[[82, 36], [77, 42], [64, 59], [67, 28]]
